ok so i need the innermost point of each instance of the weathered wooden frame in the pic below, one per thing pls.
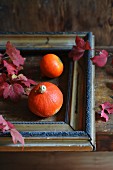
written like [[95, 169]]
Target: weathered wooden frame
[[69, 135]]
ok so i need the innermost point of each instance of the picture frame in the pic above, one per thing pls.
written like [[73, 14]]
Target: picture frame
[[73, 127]]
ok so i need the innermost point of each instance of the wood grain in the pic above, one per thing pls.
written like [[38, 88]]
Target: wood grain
[[59, 15], [103, 91], [64, 15], [104, 141], [57, 161]]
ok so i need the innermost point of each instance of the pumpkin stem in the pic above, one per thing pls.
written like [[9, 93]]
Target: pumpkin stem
[[42, 89]]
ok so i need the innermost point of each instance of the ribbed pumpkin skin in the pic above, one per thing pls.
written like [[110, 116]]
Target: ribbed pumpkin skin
[[45, 104], [51, 66]]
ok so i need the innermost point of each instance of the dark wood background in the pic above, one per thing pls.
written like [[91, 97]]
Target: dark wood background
[[61, 15]]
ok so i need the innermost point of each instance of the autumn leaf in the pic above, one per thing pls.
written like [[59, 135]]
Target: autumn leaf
[[3, 124], [2, 87], [14, 91], [82, 44], [78, 51], [11, 126], [8, 126], [104, 115], [2, 77], [24, 80], [16, 87], [16, 136], [101, 59], [107, 108], [11, 69], [14, 54], [13, 84]]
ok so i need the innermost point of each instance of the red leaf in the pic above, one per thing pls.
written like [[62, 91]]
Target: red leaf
[[22, 77], [2, 87], [2, 127], [82, 44], [3, 124], [106, 105], [18, 89], [107, 108], [6, 90], [78, 51], [16, 136], [14, 91], [15, 88], [24, 80], [14, 54], [79, 42], [11, 69], [1, 55], [2, 77], [28, 82], [87, 46], [101, 59], [7, 126], [104, 115], [32, 82], [11, 126]]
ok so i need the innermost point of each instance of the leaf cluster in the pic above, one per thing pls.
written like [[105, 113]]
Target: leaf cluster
[[12, 84]]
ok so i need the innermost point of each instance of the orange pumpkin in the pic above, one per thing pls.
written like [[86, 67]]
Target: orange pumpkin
[[45, 99], [51, 66]]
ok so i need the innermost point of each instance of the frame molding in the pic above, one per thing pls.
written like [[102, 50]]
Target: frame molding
[[67, 137]]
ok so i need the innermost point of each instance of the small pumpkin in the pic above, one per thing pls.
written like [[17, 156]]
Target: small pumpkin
[[51, 66], [45, 99]]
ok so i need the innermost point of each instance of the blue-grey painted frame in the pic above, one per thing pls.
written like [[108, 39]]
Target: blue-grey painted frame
[[88, 125]]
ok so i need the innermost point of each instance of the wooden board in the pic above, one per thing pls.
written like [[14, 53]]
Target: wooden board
[[103, 91], [57, 160], [58, 15]]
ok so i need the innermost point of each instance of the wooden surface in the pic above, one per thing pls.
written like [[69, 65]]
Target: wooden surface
[[83, 160], [64, 15], [59, 15], [103, 91], [57, 161]]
